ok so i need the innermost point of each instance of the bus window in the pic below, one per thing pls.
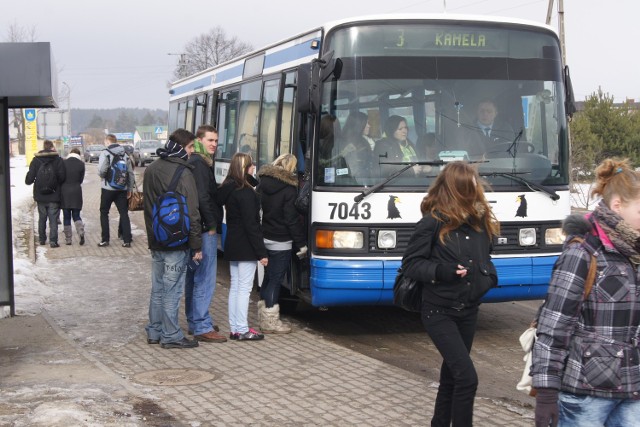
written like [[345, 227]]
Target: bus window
[[199, 114], [182, 114], [173, 116], [268, 121], [227, 114], [286, 128], [189, 116], [248, 118]]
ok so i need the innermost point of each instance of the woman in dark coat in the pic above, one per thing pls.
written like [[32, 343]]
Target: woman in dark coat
[[449, 253], [243, 244], [395, 146], [72, 195]]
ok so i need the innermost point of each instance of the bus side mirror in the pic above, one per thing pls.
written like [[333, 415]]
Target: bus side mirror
[[304, 90], [569, 98]]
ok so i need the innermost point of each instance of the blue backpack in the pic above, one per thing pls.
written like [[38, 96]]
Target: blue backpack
[[117, 174], [170, 215]]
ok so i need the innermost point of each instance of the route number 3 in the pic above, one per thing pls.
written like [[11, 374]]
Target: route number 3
[[343, 211]]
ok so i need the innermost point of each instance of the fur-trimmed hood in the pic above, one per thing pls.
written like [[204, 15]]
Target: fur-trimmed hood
[[576, 225], [280, 179]]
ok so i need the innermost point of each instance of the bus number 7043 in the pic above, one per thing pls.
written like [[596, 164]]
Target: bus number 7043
[[344, 212]]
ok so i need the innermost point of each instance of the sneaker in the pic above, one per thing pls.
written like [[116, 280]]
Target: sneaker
[[126, 245], [54, 245], [152, 341], [103, 244], [233, 336], [81, 240], [250, 335], [211, 336], [43, 242], [183, 343]]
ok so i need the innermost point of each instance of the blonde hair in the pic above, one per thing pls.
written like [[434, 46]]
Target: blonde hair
[[287, 162], [614, 177]]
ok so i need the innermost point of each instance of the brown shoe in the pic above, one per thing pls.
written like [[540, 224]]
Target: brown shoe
[[211, 336]]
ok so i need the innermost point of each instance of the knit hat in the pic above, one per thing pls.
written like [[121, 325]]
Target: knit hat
[[172, 149]]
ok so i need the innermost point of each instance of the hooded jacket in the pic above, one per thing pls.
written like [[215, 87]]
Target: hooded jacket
[[589, 347], [464, 246], [104, 162], [40, 158], [244, 240], [278, 190], [157, 178], [210, 211], [72, 185]]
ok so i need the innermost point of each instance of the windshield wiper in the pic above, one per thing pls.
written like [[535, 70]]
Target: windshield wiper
[[532, 185]]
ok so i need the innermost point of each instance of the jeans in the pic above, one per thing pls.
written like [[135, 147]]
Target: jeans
[[107, 197], [452, 333], [200, 286], [167, 282], [273, 275], [67, 214], [241, 273], [50, 211], [590, 411]]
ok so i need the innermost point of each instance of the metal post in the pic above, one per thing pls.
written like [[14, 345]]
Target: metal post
[[561, 31], [6, 242], [68, 111]]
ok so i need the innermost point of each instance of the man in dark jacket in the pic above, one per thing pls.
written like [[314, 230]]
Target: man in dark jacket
[[169, 264], [47, 194], [200, 283]]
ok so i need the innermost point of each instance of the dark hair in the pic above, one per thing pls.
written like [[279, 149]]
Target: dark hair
[[74, 151], [202, 130], [614, 177], [182, 137], [355, 124], [457, 197], [48, 144], [391, 125], [112, 138]]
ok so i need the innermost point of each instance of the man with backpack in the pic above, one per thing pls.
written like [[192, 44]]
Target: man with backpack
[[116, 170], [48, 173], [172, 221]]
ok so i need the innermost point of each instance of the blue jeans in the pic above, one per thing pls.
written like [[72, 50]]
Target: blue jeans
[[50, 211], [167, 282], [452, 333], [273, 275], [200, 286], [590, 411], [67, 214], [241, 273]]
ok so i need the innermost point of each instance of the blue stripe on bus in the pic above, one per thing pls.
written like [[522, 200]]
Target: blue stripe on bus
[[370, 282], [289, 54], [231, 73], [188, 87]]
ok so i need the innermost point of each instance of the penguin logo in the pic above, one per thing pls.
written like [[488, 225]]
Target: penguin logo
[[522, 209], [392, 210]]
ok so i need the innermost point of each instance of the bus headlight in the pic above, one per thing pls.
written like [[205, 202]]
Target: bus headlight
[[554, 236], [527, 236], [386, 239], [341, 239]]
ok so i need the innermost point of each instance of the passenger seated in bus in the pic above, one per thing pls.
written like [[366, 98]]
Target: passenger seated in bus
[[330, 161], [488, 131], [354, 147], [428, 148], [394, 147]]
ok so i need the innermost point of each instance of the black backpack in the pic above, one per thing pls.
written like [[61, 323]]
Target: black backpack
[[46, 178]]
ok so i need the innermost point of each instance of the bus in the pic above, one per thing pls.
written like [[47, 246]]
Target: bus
[[432, 71]]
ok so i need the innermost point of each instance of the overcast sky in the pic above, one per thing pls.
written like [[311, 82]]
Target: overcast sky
[[115, 53]]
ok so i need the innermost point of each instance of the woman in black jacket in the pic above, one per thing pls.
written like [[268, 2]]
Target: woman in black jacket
[[282, 230], [72, 196], [243, 245], [450, 253]]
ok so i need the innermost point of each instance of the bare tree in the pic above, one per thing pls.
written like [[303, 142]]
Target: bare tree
[[207, 50], [16, 34]]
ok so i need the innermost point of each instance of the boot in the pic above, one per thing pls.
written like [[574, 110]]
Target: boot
[[80, 230], [67, 234], [261, 306], [270, 321]]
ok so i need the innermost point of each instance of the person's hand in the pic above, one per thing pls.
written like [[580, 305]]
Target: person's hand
[[128, 194], [264, 261], [302, 253], [449, 272], [212, 232], [197, 256], [546, 407]]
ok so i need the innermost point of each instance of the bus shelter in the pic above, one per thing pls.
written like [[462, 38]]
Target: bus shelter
[[27, 80]]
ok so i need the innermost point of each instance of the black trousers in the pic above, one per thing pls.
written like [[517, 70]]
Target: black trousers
[[119, 197], [452, 333]]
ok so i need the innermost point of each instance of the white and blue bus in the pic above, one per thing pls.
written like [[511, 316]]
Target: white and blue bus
[[433, 71]]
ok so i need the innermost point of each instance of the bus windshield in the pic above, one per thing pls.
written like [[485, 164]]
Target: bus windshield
[[429, 93]]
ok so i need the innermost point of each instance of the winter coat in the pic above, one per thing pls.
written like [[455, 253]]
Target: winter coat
[[42, 157], [244, 240], [71, 187], [210, 211], [104, 163], [464, 246], [157, 178], [389, 149], [278, 190], [590, 347]]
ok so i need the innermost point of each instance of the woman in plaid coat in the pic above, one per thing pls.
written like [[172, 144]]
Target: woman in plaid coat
[[586, 360]]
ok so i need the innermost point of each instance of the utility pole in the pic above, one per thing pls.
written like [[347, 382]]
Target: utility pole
[[182, 63], [563, 47], [68, 112]]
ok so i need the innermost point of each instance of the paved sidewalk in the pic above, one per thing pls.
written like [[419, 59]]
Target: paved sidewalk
[[99, 350]]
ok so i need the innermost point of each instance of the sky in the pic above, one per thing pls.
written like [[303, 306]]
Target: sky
[[116, 53]]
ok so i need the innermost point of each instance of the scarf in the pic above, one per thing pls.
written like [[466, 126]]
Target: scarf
[[172, 149], [625, 239], [198, 148]]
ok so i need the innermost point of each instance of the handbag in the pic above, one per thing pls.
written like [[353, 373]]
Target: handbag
[[407, 292], [136, 201]]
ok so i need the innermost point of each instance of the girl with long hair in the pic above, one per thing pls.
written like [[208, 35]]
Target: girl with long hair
[[449, 253]]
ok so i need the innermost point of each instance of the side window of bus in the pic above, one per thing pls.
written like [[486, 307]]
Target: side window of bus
[[286, 126], [188, 123], [248, 118], [268, 121], [173, 116], [227, 115], [182, 114]]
